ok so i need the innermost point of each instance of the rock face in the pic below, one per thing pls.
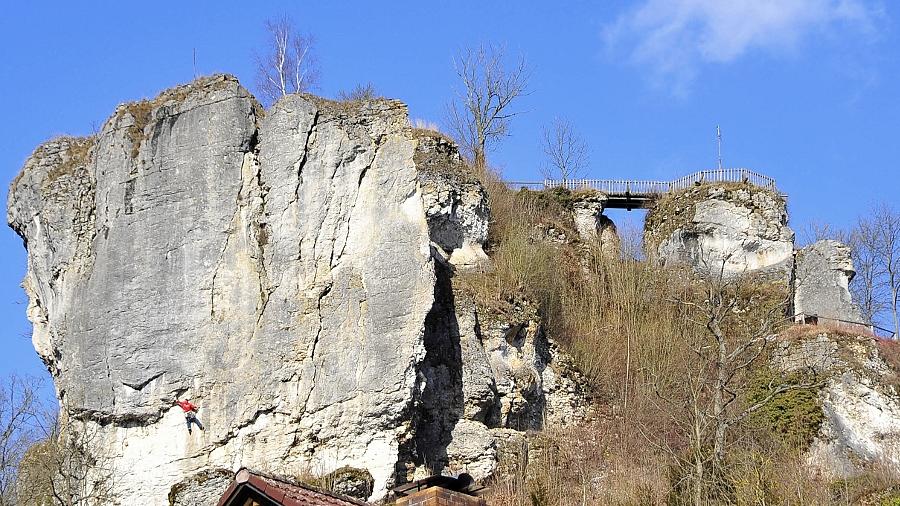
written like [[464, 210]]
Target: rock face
[[587, 214], [491, 376], [277, 270], [456, 204], [861, 406], [822, 282], [593, 225], [740, 227]]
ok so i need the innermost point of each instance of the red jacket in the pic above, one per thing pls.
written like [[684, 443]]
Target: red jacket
[[186, 406]]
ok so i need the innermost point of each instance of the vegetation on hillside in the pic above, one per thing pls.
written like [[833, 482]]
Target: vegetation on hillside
[[641, 334]]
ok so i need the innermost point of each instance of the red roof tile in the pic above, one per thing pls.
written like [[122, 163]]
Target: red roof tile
[[283, 491]]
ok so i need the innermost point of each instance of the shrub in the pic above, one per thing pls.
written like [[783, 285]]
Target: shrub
[[794, 417]]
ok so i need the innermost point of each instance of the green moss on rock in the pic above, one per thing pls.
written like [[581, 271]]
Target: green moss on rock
[[795, 416]]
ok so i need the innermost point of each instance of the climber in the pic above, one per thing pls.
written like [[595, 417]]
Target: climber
[[190, 413]]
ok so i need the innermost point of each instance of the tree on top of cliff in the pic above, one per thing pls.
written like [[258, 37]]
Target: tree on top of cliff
[[482, 112], [289, 63]]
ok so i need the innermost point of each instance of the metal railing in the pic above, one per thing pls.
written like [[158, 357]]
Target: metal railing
[[645, 187]]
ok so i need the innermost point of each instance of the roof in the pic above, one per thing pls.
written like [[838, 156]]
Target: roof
[[462, 483], [272, 491]]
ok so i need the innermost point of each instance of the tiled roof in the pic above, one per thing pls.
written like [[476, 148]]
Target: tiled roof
[[281, 491]]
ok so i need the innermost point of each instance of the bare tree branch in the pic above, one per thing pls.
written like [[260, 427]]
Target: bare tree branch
[[567, 154], [480, 115]]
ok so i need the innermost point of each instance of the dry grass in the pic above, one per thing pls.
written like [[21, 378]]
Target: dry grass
[[583, 465], [76, 155], [890, 351], [800, 332], [625, 323]]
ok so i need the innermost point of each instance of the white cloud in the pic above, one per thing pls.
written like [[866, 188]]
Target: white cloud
[[674, 37]]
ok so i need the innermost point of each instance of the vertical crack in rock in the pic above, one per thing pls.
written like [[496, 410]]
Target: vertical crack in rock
[[274, 270], [312, 354]]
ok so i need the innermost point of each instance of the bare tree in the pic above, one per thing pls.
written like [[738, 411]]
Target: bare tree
[[69, 467], [19, 429], [567, 154], [815, 231], [735, 330], [876, 256], [289, 65], [480, 115], [867, 286]]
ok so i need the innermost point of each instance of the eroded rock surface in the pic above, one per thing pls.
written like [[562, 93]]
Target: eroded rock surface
[[276, 269], [822, 283], [593, 225], [492, 375], [456, 204], [860, 403], [739, 228]]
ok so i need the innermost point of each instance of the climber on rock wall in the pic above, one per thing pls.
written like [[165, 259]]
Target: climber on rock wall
[[190, 413]]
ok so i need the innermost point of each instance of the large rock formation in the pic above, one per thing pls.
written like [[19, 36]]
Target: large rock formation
[[822, 283], [860, 403], [456, 204], [738, 228], [277, 269], [492, 375]]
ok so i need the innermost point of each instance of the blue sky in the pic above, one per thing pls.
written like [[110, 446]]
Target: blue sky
[[805, 90]]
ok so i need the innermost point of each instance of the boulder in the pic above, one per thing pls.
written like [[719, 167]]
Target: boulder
[[734, 228]]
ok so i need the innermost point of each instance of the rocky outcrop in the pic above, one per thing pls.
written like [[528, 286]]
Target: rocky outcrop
[[456, 204], [822, 283], [586, 213], [739, 228], [492, 376], [277, 269], [201, 489], [860, 404], [593, 225], [274, 270]]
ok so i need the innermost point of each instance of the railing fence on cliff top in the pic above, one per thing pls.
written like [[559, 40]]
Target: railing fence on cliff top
[[638, 187]]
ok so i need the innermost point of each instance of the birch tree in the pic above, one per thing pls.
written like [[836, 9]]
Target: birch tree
[[289, 64]]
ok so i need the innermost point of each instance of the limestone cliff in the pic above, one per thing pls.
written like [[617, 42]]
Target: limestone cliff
[[277, 268], [859, 398], [822, 279], [735, 227]]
